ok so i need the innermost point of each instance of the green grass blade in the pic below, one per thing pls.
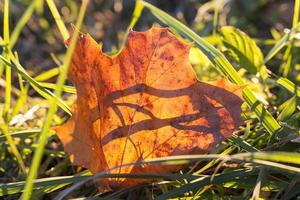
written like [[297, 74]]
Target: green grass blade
[[41, 90], [242, 143], [216, 18], [288, 108], [22, 22], [254, 157], [20, 101], [53, 107], [296, 13], [222, 64], [288, 58], [259, 182], [22, 134], [138, 8], [47, 74], [287, 157], [135, 15], [66, 88], [282, 43], [6, 37], [213, 162], [40, 7], [60, 23], [289, 85], [22, 97], [12, 145]]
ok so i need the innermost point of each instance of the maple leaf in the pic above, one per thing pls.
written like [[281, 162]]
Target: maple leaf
[[143, 103]]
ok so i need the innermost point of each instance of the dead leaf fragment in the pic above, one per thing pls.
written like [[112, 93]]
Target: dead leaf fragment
[[143, 103]]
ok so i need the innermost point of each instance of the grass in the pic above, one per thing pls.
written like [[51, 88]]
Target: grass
[[261, 160]]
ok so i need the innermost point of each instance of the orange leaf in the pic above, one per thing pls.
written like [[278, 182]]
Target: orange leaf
[[144, 103]]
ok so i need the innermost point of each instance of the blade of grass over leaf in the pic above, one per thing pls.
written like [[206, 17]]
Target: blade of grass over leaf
[[60, 24], [222, 64], [53, 107]]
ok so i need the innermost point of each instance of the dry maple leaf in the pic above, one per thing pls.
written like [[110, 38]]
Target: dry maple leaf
[[143, 103]]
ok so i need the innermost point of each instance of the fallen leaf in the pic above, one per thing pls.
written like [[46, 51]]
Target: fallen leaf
[[143, 103]]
